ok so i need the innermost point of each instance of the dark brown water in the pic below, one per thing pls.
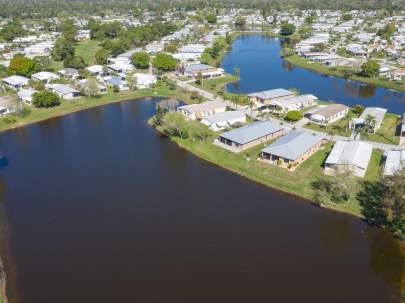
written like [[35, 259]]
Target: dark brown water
[[100, 208]]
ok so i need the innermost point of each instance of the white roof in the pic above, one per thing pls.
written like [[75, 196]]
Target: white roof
[[394, 161], [95, 69], [26, 93], [296, 99], [16, 80], [45, 76], [350, 153], [202, 107], [224, 117]]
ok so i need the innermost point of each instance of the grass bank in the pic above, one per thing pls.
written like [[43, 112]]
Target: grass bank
[[320, 68], [66, 107], [298, 183]]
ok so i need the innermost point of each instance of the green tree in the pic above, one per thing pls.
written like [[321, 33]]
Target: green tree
[[45, 99], [240, 23], [12, 30], [347, 17], [74, 62], [101, 56], [198, 131], [333, 190], [63, 48], [371, 68], [383, 202], [141, 60], [164, 62], [294, 115], [287, 29], [23, 66], [90, 88], [211, 18], [174, 124]]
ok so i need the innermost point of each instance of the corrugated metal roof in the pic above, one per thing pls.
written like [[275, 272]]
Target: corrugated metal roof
[[394, 161], [271, 94], [293, 145], [350, 153], [252, 132], [225, 116]]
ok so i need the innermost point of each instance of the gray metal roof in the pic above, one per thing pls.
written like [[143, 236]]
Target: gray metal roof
[[251, 132], [273, 93], [395, 160], [197, 67], [293, 145], [225, 116], [350, 153]]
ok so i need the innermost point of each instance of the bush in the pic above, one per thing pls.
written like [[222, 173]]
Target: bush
[[294, 115], [45, 99]]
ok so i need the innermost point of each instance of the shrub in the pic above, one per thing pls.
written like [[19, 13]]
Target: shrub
[[45, 99], [294, 115]]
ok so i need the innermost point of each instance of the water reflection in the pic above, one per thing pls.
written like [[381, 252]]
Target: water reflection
[[258, 58]]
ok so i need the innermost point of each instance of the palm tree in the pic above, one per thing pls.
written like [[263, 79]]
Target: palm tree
[[370, 123]]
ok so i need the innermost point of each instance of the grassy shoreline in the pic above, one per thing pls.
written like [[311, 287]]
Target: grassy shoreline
[[297, 183], [322, 69], [68, 107]]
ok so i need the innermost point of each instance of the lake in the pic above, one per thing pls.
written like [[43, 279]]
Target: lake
[[97, 207], [261, 68]]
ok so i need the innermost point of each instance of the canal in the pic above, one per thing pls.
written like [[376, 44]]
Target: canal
[[261, 68], [98, 207]]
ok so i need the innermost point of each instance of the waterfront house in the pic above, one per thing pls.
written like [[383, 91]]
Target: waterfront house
[[115, 81], [25, 95], [15, 82], [145, 80], [202, 110], [292, 149], [7, 106], [268, 96], [294, 102], [329, 113], [394, 161], [224, 120], [248, 136], [206, 71], [63, 91], [377, 113], [45, 77], [102, 89], [349, 156]]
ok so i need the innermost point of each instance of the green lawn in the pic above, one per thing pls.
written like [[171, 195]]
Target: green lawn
[[86, 50], [245, 164], [373, 170], [388, 130], [337, 128], [216, 85], [39, 114], [338, 72]]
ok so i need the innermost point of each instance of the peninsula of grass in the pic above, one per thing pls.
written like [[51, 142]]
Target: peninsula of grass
[[298, 183], [69, 106], [215, 85], [339, 72]]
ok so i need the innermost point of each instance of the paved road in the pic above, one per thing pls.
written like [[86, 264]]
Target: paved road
[[298, 125]]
